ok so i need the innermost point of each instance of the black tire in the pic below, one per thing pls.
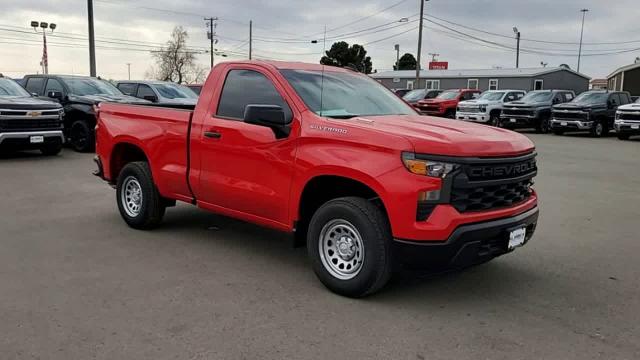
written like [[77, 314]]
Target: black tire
[[544, 125], [375, 234], [450, 114], [82, 137], [151, 205], [623, 136], [51, 149], [558, 132], [494, 120], [598, 129]]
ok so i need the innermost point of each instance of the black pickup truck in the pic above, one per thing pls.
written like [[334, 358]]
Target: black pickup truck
[[27, 122], [533, 110], [77, 95], [593, 111]]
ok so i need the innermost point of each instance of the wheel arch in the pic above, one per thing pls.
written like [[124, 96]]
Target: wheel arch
[[123, 153]]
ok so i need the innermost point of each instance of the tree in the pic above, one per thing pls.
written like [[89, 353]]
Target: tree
[[343, 55], [175, 62], [406, 62]]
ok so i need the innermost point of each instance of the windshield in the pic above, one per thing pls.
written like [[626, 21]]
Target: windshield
[[89, 86], [448, 95], [175, 91], [591, 98], [491, 96], [537, 96], [195, 88], [415, 95], [345, 94], [9, 87]]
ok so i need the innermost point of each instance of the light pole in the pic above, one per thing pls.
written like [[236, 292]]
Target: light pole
[[397, 48], [584, 12], [129, 70], [515, 31], [420, 43], [92, 40], [45, 56]]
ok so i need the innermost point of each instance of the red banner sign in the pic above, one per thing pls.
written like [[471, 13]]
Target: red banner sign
[[438, 65]]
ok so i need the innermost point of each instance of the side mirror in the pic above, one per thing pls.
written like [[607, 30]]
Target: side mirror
[[271, 116], [151, 98], [55, 95]]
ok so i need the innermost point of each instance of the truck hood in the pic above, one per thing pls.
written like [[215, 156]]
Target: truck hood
[[27, 103], [634, 106], [578, 106], [478, 102], [519, 104], [96, 99], [439, 136]]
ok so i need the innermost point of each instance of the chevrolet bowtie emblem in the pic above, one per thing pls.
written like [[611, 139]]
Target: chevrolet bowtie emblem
[[34, 113]]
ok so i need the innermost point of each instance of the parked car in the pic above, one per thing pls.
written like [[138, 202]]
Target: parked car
[[593, 111], [487, 107], [196, 88], [77, 95], [159, 92], [412, 97], [401, 92], [27, 122], [445, 104], [533, 110], [359, 174], [627, 121]]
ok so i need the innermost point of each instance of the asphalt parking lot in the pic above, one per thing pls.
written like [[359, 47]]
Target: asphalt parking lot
[[77, 283]]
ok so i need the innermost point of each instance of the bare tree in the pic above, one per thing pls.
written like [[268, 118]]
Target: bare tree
[[175, 62], [197, 75]]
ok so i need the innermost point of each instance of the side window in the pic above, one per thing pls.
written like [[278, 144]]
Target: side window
[[568, 96], [624, 99], [519, 95], [615, 99], [128, 89], [512, 96], [53, 85], [144, 90], [244, 87], [34, 85], [538, 84], [558, 99]]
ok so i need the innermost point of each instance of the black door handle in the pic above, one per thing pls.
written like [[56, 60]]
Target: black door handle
[[212, 134]]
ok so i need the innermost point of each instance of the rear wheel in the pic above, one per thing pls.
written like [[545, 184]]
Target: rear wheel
[[349, 244], [139, 202], [81, 137]]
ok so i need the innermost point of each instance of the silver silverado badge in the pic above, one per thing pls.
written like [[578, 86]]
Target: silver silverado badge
[[329, 129]]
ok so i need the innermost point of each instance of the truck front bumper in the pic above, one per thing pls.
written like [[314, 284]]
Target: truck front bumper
[[571, 124], [630, 127], [516, 122], [474, 117], [468, 245], [25, 139]]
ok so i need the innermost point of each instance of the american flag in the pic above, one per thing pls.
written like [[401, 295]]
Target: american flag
[[45, 58]]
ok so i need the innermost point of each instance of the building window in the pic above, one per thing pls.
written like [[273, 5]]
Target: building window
[[493, 84], [432, 85], [614, 82], [472, 84], [538, 84], [410, 84]]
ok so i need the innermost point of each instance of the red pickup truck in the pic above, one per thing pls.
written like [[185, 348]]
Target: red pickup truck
[[445, 104], [332, 157]]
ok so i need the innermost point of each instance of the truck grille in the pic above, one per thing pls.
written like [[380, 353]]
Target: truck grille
[[571, 115], [633, 116], [488, 184], [517, 112], [29, 120], [469, 109]]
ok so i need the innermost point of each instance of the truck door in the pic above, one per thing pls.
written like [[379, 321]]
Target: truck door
[[244, 167]]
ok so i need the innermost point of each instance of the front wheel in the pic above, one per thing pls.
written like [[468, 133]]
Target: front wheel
[[598, 129], [494, 120], [544, 126], [81, 137], [349, 242], [139, 202]]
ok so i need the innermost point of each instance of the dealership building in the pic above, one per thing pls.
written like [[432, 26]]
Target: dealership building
[[527, 79], [626, 78]]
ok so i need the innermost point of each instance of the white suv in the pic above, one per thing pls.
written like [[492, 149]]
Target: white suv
[[486, 108]]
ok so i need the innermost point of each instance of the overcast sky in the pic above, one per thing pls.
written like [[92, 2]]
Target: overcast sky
[[283, 30]]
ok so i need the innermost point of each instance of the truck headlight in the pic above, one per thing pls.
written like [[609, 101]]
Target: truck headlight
[[483, 108], [617, 116], [431, 168]]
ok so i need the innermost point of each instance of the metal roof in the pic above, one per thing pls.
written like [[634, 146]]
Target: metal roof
[[623, 68], [469, 73]]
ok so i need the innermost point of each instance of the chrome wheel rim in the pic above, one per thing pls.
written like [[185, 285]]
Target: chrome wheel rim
[[131, 196], [598, 129], [341, 249]]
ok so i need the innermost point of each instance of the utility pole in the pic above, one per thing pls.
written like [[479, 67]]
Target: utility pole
[[397, 48], [250, 38], [92, 40], [417, 84], [211, 34], [584, 12], [515, 31], [129, 70]]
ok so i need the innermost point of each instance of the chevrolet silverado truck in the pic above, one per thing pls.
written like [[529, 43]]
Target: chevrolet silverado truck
[[77, 95], [593, 111], [416, 95], [627, 121], [445, 104], [533, 110], [486, 109], [335, 159], [27, 122]]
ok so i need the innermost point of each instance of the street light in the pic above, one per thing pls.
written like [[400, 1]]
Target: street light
[[397, 48], [45, 57], [515, 31], [584, 12]]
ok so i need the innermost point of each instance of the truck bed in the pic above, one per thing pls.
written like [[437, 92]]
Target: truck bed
[[162, 133]]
